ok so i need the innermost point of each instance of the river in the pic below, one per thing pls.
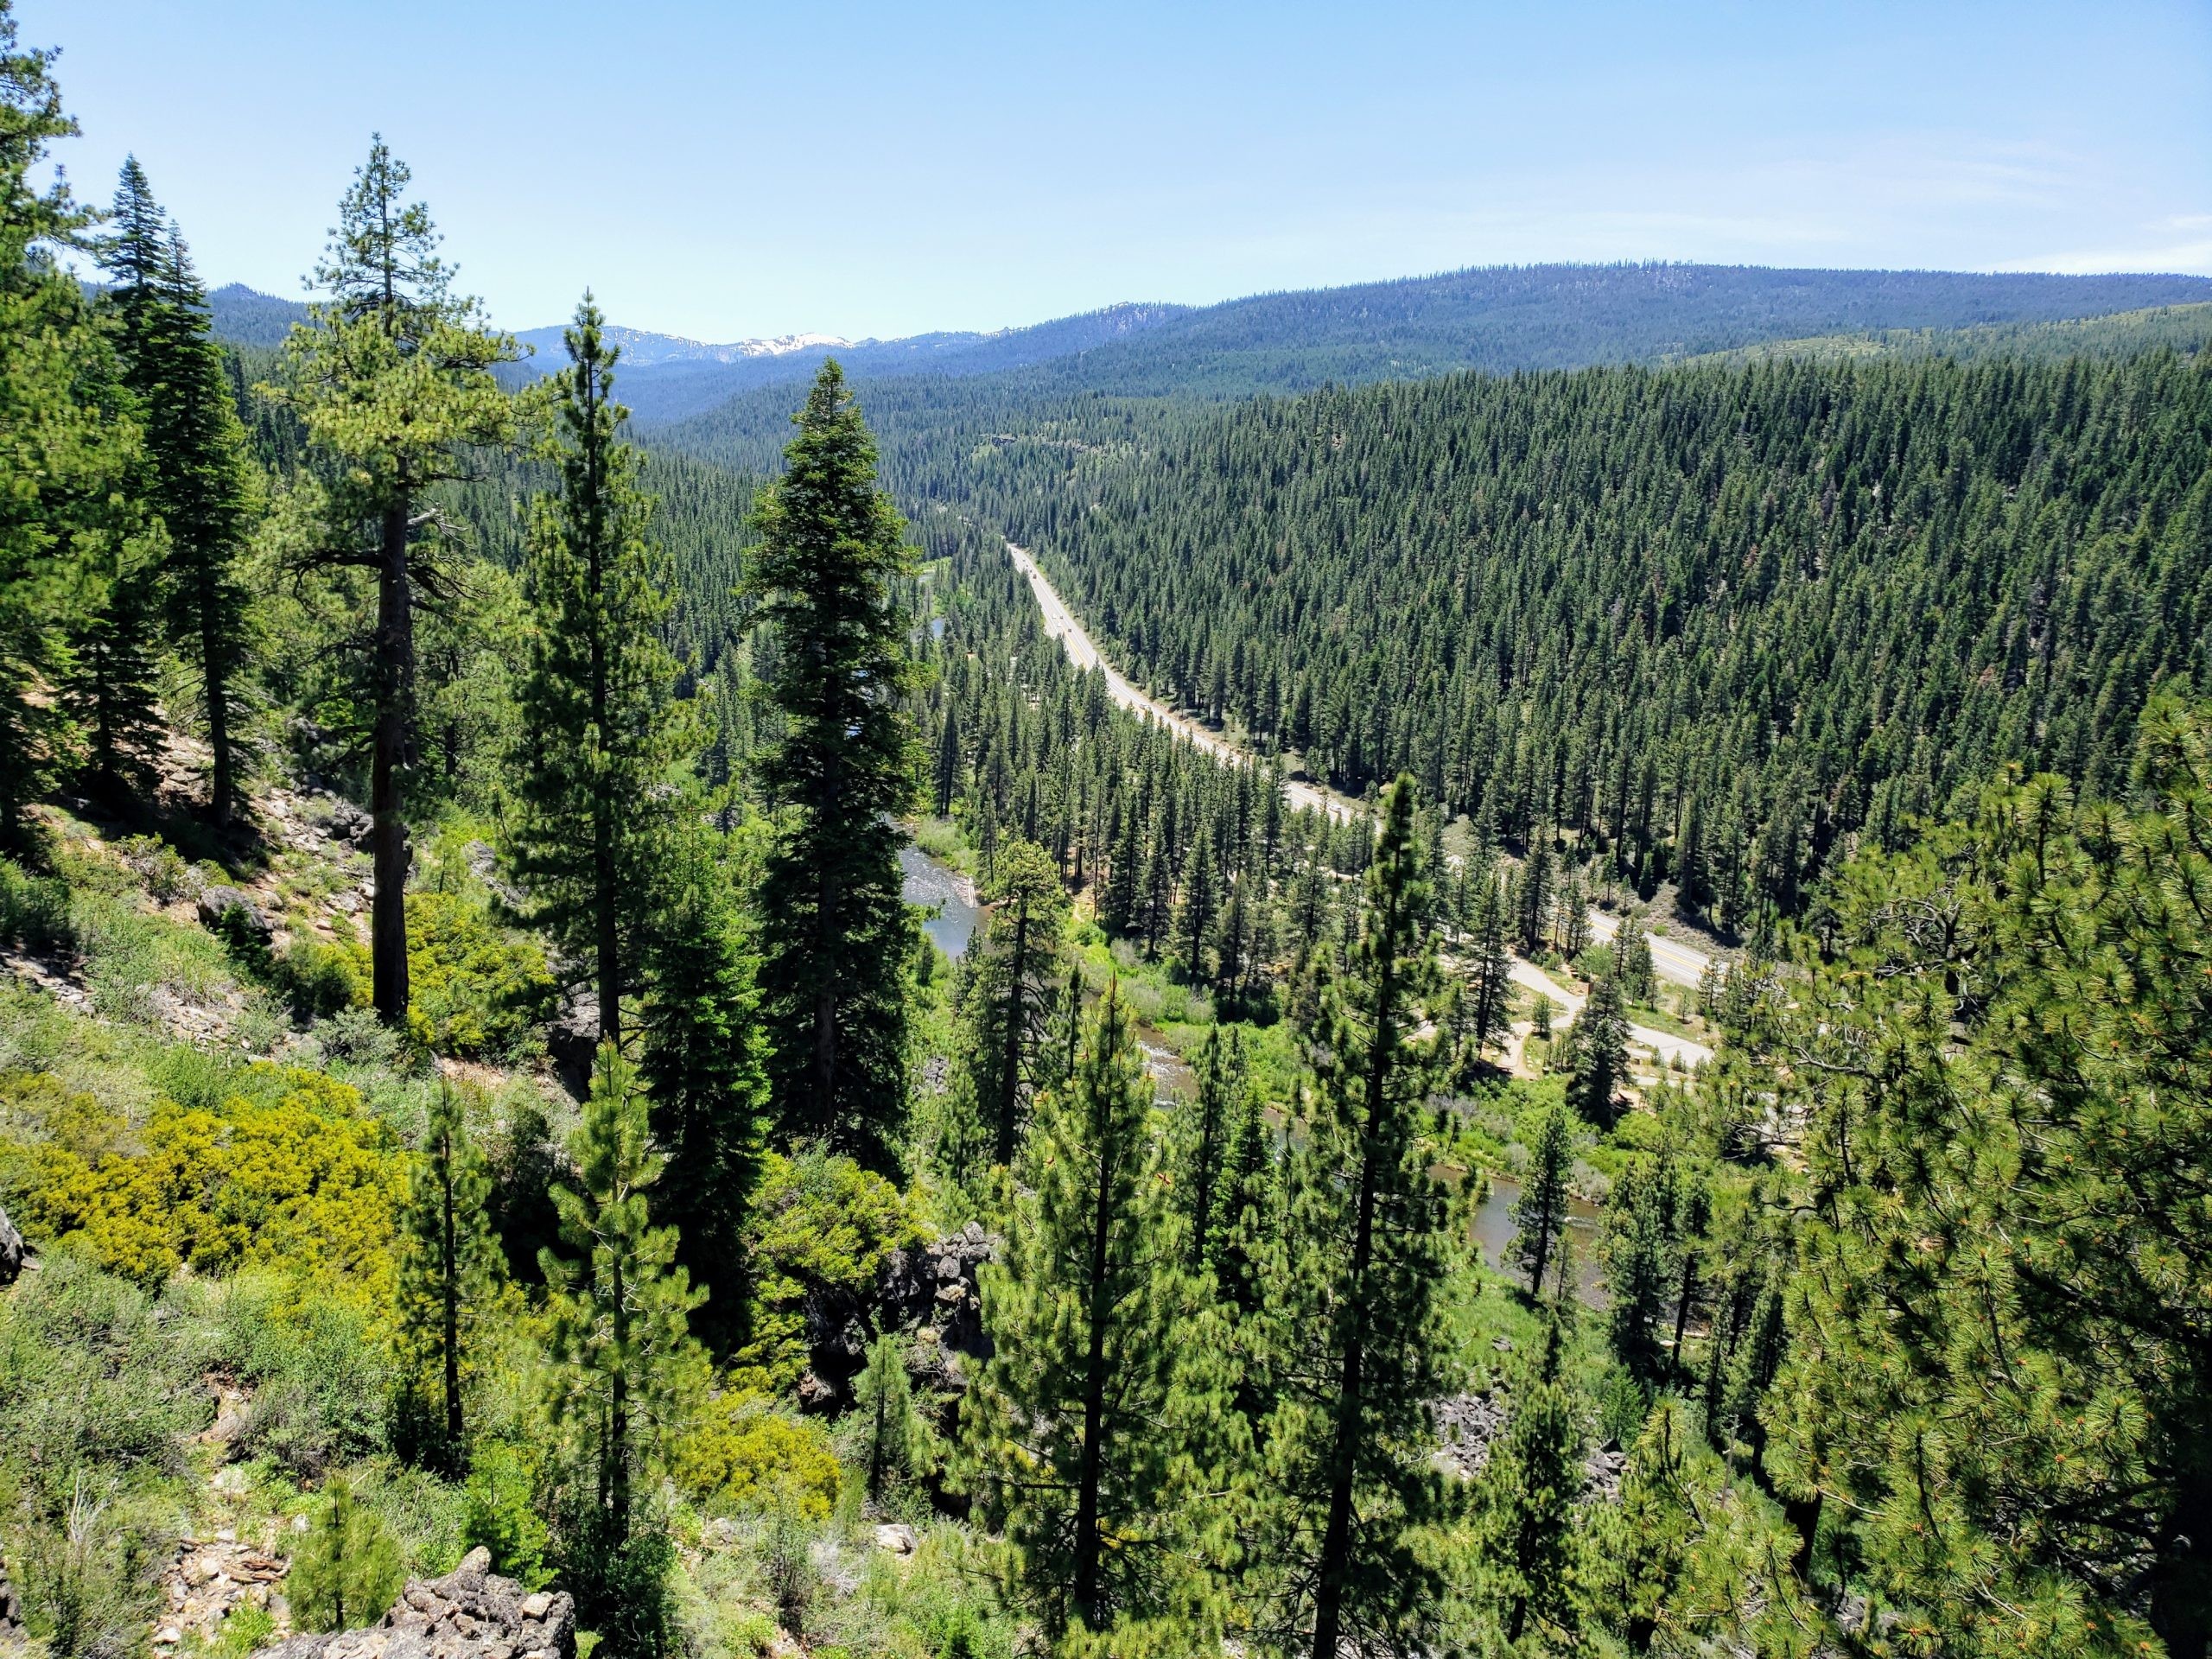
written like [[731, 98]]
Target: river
[[937, 885]]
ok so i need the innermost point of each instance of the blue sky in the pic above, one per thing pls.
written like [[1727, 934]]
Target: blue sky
[[732, 170]]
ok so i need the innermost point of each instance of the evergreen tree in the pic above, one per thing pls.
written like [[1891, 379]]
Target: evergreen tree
[[1349, 1480], [833, 923], [1636, 1276], [1080, 1430], [1202, 1176], [1485, 990], [448, 1265], [703, 1069], [392, 378], [1009, 994], [1600, 1059], [65, 470], [602, 739], [895, 1437], [1540, 1213], [198, 478], [1119, 906], [348, 1572], [1528, 1493], [625, 1369]]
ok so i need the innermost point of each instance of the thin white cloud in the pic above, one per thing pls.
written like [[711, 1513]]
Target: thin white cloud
[[2186, 246]]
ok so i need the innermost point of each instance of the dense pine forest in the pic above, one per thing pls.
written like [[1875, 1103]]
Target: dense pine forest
[[1699, 1150]]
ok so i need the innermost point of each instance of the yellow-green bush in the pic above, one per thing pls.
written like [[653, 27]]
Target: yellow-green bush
[[742, 1451], [473, 989], [302, 1179], [820, 1227]]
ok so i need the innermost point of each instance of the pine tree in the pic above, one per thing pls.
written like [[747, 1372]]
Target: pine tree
[[601, 740], [348, 1571], [1202, 1174], [449, 1266], [895, 1443], [704, 1068], [625, 1367], [1349, 1480], [1079, 1431], [1601, 1061], [66, 511], [834, 923], [1009, 993], [1540, 1213], [198, 478], [1194, 913], [1529, 1489], [1118, 908], [1485, 998], [392, 378], [1636, 1271]]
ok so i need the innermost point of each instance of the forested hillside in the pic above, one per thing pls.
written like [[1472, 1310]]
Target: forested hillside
[[489, 1145], [1725, 623]]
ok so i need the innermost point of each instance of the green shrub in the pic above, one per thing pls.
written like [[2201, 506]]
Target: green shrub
[[474, 988], [307, 1180], [320, 980], [34, 910], [503, 1515], [818, 1230], [321, 1377]]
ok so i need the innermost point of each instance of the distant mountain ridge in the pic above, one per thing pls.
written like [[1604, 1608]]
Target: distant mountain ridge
[[1499, 319]]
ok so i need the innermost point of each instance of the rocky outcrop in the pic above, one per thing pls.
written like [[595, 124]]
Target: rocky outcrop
[[1472, 1423], [12, 1256], [11, 1609], [209, 1579], [471, 1613], [928, 1289], [225, 909]]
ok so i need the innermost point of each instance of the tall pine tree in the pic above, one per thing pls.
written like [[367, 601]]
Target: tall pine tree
[[834, 923], [602, 737], [1363, 1354], [392, 378], [198, 478], [1080, 1430]]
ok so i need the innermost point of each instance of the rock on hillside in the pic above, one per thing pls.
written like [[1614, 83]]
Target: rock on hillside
[[471, 1613]]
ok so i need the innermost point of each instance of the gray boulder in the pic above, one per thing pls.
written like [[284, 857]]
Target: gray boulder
[[12, 1253], [222, 908], [471, 1613], [349, 823]]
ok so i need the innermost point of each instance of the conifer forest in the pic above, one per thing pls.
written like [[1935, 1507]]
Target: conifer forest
[[1574, 1017]]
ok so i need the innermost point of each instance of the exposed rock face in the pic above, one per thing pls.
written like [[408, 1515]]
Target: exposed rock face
[[221, 908], [573, 1038], [471, 1613], [349, 823], [1471, 1423], [929, 1289], [11, 1610], [11, 1264]]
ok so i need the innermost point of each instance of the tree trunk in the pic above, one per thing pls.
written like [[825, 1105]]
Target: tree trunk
[[1094, 1406], [223, 787], [618, 1419], [392, 669], [1010, 1070], [1335, 1572], [450, 1244]]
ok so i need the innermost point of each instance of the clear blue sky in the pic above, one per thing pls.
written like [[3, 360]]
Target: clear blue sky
[[725, 170]]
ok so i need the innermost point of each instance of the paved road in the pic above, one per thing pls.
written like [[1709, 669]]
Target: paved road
[[1670, 959], [1060, 623], [1663, 1045]]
